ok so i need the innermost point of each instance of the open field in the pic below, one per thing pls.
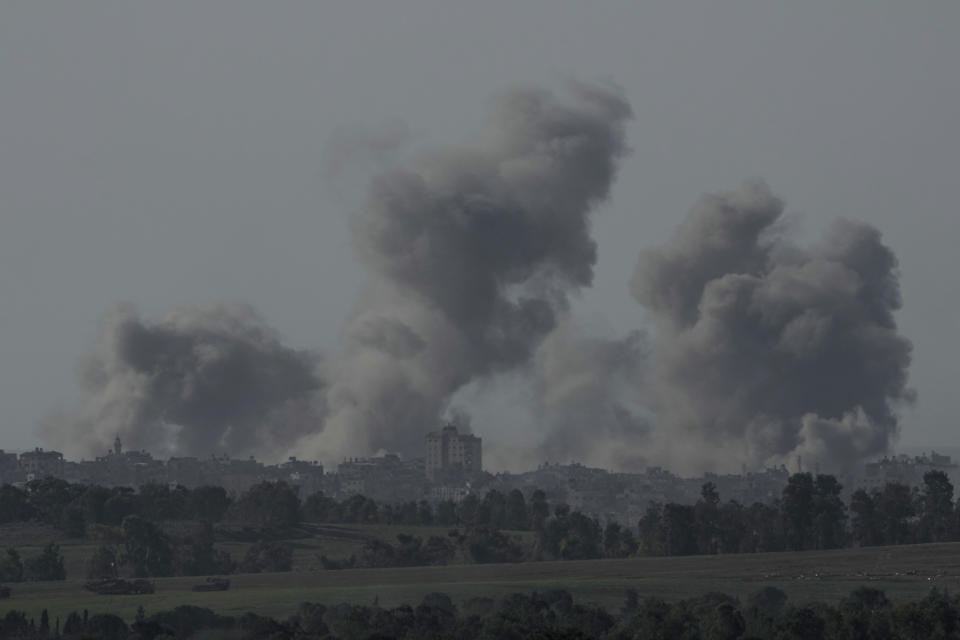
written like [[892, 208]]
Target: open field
[[904, 572]]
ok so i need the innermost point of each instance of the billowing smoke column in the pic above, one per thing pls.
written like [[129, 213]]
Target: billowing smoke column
[[472, 252], [203, 380], [766, 350], [762, 350]]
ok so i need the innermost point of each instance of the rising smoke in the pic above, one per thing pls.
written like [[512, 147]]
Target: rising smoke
[[472, 252], [761, 349], [766, 350], [202, 380]]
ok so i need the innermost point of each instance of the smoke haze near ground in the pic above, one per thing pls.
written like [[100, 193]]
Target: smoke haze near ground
[[588, 393], [201, 381]]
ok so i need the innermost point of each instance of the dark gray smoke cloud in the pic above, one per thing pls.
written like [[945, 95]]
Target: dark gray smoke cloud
[[766, 350], [472, 251], [202, 380], [762, 349]]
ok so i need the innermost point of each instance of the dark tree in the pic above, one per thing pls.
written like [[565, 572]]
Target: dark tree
[[408, 513], [830, 514], [467, 510], [145, 549], [424, 514], [121, 503], [768, 601], [15, 625], [158, 502], [49, 497], [865, 526], [46, 566], [732, 521], [14, 505], [866, 615], [570, 536], [103, 563], [486, 545], [412, 551], [707, 519], [765, 528], [11, 566], [539, 510], [492, 510], [106, 626], [515, 516], [195, 555], [655, 618], [360, 509], [896, 507], [725, 623], [91, 501], [268, 557], [72, 523], [802, 623], [618, 542], [937, 521], [936, 616], [798, 511], [309, 620], [270, 505], [434, 617], [319, 507], [208, 503], [74, 624], [187, 620], [650, 527], [679, 534], [446, 513]]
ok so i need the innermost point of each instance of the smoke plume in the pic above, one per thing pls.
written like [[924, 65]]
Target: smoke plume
[[588, 393], [766, 350], [761, 349], [202, 380], [471, 252]]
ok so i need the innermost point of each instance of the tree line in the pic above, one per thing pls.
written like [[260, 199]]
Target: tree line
[[73, 507], [139, 548], [46, 565], [767, 613], [810, 514]]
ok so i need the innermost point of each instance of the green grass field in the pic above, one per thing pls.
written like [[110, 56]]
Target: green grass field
[[905, 572]]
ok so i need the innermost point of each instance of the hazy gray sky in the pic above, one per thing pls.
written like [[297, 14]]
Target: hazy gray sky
[[170, 153]]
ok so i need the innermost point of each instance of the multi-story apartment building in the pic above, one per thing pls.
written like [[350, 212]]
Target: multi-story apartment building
[[450, 451], [39, 464], [9, 467]]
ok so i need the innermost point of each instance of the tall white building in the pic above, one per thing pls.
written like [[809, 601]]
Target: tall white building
[[448, 450]]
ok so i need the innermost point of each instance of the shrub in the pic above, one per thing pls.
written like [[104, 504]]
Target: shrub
[[46, 566], [268, 557]]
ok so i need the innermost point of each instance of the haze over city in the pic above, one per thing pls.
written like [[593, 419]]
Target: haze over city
[[705, 236]]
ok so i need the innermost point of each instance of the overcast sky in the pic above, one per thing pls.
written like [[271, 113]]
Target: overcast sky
[[173, 152]]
